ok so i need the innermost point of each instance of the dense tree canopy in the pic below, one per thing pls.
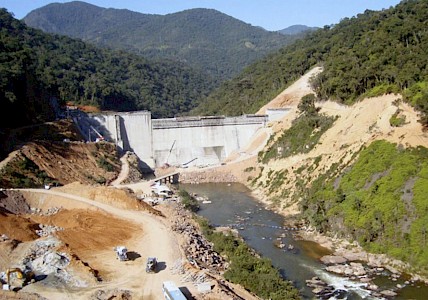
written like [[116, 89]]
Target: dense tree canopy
[[205, 39], [380, 51], [36, 67], [380, 201]]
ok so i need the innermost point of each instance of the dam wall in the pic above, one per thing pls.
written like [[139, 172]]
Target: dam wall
[[130, 131], [201, 141], [187, 141]]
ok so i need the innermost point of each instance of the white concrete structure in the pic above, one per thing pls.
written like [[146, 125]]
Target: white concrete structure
[[201, 141], [130, 131], [275, 114], [198, 141]]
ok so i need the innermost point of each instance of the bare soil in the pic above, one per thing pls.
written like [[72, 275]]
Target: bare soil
[[91, 222], [357, 126], [90, 219]]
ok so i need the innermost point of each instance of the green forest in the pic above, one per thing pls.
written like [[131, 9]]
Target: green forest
[[370, 54], [36, 67], [379, 202], [205, 39]]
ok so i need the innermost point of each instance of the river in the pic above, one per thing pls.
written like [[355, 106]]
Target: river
[[233, 205]]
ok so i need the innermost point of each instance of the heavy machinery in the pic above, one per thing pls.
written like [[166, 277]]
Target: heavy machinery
[[99, 138], [15, 277], [121, 252], [151, 265]]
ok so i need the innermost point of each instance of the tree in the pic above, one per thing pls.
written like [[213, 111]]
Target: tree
[[307, 105]]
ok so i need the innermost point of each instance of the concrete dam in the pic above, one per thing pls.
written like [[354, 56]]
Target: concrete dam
[[181, 141]]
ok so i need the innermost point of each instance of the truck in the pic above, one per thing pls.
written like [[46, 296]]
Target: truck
[[151, 264], [171, 291], [121, 252]]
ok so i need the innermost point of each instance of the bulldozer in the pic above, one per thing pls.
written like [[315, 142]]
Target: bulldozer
[[18, 280]]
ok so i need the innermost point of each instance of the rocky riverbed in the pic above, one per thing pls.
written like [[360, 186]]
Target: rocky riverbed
[[352, 262]]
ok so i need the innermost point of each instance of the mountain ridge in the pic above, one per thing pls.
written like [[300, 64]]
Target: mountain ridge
[[204, 38], [297, 29], [40, 69]]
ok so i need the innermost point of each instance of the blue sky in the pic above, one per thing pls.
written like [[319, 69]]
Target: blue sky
[[269, 14]]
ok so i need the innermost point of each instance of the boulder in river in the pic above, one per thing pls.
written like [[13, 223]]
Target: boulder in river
[[333, 259]]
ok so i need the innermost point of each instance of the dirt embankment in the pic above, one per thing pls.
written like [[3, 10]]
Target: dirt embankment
[[54, 153], [356, 126]]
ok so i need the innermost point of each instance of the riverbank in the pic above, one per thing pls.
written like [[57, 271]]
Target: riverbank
[[347, 251], [232, 205], [203, 264]]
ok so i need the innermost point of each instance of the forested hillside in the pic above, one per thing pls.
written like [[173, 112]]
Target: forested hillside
[[36, 67], [379, 202], [297, 29], [370, 54], [204, 38]]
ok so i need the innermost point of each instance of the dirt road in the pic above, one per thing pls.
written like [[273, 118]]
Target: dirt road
[[150, 237], [123, 172]]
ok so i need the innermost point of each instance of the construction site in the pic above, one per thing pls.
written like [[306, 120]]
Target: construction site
[[85, 233], [80, 242]]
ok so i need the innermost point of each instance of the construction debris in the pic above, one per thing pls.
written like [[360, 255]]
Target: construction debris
[[198, 249]]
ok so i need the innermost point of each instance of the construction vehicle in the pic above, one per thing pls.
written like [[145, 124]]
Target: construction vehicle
[[15, 277], [151, 264], [171, 291], [121, 252], [99, 135]]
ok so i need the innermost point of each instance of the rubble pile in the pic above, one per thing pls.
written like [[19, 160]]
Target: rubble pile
[[43, 259], [198, 250], [189, 274], [211, 176], [41, 247], [50, 212], [47, 230], [111, 294]]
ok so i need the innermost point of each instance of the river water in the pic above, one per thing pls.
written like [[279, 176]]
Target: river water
[[232, 205]]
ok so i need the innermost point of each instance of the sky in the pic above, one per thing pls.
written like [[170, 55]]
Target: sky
[[270, 14]]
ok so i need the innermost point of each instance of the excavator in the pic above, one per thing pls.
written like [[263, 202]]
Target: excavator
[[22, 278]]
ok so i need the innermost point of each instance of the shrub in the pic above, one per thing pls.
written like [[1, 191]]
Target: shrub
[[254, 273], [104, 163], [396, 120], [188, 201]]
